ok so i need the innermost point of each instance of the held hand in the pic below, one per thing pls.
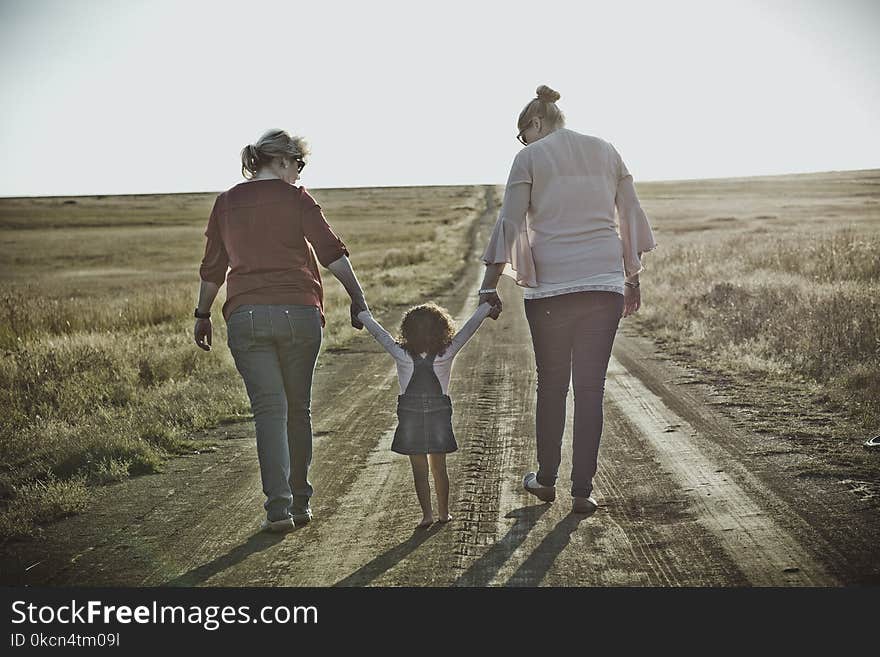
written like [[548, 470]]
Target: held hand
[[632, 300], [494, 300], [202, 333], [357, 306]]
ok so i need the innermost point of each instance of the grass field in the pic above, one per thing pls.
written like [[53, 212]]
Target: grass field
[[772, 287], [100, 378]]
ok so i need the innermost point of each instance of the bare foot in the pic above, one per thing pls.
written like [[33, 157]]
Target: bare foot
[[427, 521], [444, 518]]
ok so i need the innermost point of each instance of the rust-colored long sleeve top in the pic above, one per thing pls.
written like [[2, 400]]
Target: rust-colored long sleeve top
[[267, 234]]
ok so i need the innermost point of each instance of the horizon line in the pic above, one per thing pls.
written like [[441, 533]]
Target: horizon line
[[501, 184]]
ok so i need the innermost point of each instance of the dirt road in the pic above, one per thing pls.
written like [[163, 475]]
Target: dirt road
[[688, 495]]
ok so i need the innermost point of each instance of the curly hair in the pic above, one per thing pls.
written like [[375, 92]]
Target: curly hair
[[426, 328]]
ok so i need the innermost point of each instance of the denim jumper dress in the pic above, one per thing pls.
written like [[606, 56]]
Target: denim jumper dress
[[424, 414]]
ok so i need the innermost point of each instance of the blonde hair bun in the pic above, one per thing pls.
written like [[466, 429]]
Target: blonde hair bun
[[547, 94]]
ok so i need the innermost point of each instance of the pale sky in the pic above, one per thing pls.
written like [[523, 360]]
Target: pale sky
[[117, 96]]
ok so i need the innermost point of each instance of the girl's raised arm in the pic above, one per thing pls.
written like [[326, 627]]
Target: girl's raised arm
[[467, 331], [382, 336]]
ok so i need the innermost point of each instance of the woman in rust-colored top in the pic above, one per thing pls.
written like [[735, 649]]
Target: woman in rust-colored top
[[265, 238]]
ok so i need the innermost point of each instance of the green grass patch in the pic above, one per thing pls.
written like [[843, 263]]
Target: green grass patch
[[42, 501]]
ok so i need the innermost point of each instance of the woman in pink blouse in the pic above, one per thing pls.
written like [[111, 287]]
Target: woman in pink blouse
[[557, 237]]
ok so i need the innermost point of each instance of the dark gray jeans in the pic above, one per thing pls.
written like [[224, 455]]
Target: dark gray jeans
[[275, 348], [572, 335]]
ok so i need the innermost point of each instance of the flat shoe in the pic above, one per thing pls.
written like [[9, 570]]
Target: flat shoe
[[277, 526], [583, 505], [543, 493]]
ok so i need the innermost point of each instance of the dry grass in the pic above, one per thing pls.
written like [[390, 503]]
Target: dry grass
[[99, 378], [774, 285]]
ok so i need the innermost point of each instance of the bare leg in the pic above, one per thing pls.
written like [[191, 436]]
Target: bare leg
[[441, 485], [423, 488]]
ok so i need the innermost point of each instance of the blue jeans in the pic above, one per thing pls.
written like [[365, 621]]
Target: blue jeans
[[572, 335], [275, 348]]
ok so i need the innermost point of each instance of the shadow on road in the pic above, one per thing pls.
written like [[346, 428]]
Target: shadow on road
[[533, 569], [384, 562], [256, 543], [485, 568]]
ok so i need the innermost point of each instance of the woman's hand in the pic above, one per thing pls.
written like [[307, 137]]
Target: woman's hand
[[494, 300], [342, 270], [358, 304], [202, 333], [632, 300]]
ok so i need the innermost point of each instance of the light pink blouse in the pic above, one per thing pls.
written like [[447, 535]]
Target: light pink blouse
[[557, 230]]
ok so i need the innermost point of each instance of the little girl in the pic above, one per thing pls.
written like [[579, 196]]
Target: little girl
[[424, 354]]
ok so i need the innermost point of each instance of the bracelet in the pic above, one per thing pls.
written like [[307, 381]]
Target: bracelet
[[634, 286], [199, 315], [488, 291]]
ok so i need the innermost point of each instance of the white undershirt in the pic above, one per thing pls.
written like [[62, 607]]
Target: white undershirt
[[610, 282]]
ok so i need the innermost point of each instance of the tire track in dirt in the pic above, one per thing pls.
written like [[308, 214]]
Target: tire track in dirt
[[766, 553], [535, 543], [838, 528], [261, 559], [502, 535], [347, 459], [490, 418], [647, 530]]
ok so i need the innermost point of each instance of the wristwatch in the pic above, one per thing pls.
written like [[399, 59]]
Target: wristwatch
[[199, 315]]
